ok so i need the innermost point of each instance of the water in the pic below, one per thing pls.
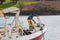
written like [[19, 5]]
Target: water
[[53, 25], [51, 22]]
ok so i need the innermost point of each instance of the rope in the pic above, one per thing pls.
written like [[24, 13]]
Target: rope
[[13, 21]]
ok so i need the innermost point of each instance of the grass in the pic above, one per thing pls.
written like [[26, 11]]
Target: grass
[[8, 4]]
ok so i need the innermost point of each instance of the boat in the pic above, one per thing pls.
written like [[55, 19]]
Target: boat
[[17, 32]]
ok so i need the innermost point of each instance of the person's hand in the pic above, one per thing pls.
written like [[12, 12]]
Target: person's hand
[[43, 24]]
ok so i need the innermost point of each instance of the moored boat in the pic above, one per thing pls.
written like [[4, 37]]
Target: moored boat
[[18, 32]]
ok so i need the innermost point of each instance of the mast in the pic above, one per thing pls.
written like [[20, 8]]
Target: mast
[[18, 13], [17, 17]]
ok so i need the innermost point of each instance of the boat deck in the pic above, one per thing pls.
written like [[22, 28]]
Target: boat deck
[[16, 36]]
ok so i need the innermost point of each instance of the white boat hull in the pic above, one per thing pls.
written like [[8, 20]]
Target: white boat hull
[[34, 36]]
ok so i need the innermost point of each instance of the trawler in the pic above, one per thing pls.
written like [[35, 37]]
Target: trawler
[[18, 32]]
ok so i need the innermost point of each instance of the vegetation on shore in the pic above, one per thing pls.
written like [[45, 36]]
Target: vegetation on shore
[[8, 4]]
